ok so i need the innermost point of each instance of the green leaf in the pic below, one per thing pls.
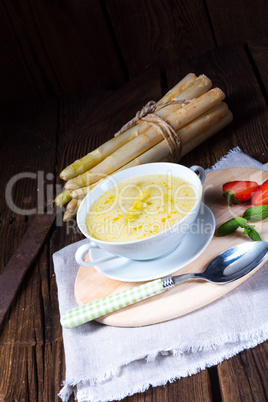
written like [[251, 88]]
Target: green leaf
[[242, 222], [228, 227], [233, 224], [247, 231], [254, 235], [256, 213]]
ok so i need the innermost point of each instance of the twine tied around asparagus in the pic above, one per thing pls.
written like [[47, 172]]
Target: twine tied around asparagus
[[147, 115]]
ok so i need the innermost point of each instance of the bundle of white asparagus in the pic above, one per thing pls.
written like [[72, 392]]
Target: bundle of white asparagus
[[201, 115]]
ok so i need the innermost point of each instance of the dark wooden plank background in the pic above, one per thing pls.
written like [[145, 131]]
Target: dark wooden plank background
[[47, 136], [59, 62], [53, 47]]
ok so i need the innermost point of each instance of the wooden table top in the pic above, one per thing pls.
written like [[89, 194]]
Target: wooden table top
[[41, 139]]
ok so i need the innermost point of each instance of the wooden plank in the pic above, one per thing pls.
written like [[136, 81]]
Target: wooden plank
[[238, 21], [14, 272], [233, 381], [13, 66], [49, 49], [156, 32], [28, 145], [243, 96], [242, 377], [197, 388], [194, 388], [260, 356], [259, 54], [24, 378]]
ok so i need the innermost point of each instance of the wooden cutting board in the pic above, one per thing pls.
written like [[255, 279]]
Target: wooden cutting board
[[188, 296]]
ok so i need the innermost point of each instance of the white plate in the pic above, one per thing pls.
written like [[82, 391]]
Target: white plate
[[126, 270]]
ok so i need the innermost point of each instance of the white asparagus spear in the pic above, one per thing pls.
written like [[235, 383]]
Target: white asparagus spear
[[63, 198], [159, 152], [188, 132], [96, 156], [68, 217], [195, 89], [146, 140], [198, 128], [209, 132], [73, 206], [173, 92], [155, 154], [80, 193]]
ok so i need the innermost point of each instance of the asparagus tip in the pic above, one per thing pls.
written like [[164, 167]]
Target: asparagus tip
[[69, 185], [74, 194], [68, 216]]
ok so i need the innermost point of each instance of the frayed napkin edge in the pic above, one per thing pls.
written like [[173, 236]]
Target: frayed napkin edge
[[242, 341], [217, 165], [84, 396]]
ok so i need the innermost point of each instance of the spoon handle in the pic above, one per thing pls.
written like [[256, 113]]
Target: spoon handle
[[81, 314], [185, 277], [98, 308]]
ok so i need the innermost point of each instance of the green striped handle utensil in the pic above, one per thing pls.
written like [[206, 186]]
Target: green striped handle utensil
[[228, 266], [81, 314]]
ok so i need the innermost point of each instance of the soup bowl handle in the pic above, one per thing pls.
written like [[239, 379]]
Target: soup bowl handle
[[201, 173], [82, 250]]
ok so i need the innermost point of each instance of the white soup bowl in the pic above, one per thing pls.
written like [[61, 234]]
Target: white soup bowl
[[150, 247]]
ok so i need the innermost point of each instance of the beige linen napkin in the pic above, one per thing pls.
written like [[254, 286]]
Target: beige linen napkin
[[108, 363]]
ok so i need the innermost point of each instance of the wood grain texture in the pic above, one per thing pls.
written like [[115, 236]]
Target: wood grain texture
[[50, 48], [13, 274], [259, 54], [241, 378], [156, 32], [230, 69], [237, 21], [28, 138], [199, 385]]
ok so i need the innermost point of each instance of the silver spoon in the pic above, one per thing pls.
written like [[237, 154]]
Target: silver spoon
[[227, 267]]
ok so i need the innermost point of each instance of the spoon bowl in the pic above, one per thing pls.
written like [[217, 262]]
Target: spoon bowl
[[235, 262]]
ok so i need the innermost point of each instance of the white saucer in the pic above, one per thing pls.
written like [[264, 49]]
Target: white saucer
[[126, 270]]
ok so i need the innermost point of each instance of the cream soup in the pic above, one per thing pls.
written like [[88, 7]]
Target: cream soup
[[140, 207]]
